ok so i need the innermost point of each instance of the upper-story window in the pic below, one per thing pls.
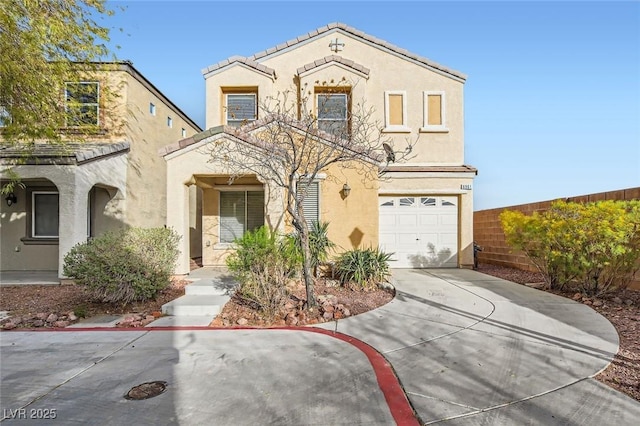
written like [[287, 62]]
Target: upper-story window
[[395, 111], [434, 112], [333, 112], [152, 108], [241, 107], [82, 104]]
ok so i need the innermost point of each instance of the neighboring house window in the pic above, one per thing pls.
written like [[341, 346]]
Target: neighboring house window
[[333, 111], [5, 118], [169, 122], [82, 104], [395, 111], [311, 201], [152, 109], [44, 214], [434, 112], [240, 211], [241, 108], [184, 132]]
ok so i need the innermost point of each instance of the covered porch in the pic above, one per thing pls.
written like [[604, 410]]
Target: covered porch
[[64, 196]]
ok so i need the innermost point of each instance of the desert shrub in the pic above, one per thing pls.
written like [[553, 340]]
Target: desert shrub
[[319, 245], [363, 267], [126, 265], [263, 262], [596, 245]]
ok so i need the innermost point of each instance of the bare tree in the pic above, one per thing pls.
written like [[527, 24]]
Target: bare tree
[[290, 146]]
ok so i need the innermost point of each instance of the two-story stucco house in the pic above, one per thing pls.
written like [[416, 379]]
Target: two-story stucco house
[[111, 178], [421, 210]]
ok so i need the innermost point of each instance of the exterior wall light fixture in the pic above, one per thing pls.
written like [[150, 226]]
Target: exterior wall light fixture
[[346, 190], [11, 199]]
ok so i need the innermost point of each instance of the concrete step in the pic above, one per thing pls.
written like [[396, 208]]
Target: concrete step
[[195, 305], [205, 287], [185, 321]]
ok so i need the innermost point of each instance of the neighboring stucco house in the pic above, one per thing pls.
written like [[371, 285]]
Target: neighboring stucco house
[[113, 178], [422, 210]]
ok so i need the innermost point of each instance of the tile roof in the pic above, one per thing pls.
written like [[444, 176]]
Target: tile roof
[[244, 133], [270, 72], [61, 154], [333, 58], [354, 32]]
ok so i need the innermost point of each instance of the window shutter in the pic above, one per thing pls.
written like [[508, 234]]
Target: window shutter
[[310, 203], [255, 210], [435, 110], [395, 110], [241, 108], [232, 216]]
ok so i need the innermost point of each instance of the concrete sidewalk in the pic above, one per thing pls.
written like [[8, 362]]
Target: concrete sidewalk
[[468, 348]]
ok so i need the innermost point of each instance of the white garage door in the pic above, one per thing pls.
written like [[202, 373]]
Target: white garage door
[[421, 230]]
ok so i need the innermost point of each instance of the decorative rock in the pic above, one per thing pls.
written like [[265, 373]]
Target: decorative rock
[[42, 316], [17, 320], [338, 315], [587, 302], [291, 319], [61, 324], [598, 302], [617, 300], [328, 307], [628, 302], [346, 312], [73, 317], [156, 314], [9, 326], [577, 296], [38, 323], [148, 320], [328, 316], [52, 318], [538, 286], [289, 306], [242, 321]]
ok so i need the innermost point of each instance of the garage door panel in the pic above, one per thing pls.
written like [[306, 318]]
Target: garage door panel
[[421, 235], [407, 220]]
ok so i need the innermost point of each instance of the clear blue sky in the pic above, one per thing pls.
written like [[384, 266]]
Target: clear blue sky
[[552, 100]]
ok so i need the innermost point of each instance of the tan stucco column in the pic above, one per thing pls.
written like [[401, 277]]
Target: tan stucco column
[[73, 204], [178, 220]]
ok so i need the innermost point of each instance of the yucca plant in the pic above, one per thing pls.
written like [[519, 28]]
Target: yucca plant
[[364, 267], [319, 244]]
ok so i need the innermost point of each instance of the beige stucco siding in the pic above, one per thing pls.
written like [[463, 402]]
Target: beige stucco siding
[[387, 72], [353, 220]]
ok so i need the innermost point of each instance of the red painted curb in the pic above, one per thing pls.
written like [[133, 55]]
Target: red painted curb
[[388, 382]]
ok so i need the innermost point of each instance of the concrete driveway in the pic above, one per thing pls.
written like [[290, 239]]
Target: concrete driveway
[[467, 348]]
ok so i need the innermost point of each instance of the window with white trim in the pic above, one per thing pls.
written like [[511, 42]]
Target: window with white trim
[[183, 132], [434, 117], [333, 112], [169, 122], [241, 108], [240, 211], [395, 111], [311, 201], [44, 214], [152, 108], [82, 103]]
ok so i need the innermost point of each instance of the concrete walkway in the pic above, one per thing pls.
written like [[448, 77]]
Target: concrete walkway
[[469, 349]]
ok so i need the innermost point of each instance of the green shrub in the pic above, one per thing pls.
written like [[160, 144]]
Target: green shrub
[[126, 265], [364, 267], [319, 245], [263, 263], [596, 245]]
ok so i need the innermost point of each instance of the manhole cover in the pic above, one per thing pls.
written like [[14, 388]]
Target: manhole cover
[[146, 390]]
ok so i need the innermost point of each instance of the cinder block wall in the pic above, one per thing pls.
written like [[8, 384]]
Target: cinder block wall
[[487, 231]]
